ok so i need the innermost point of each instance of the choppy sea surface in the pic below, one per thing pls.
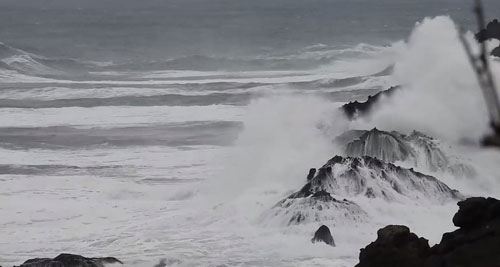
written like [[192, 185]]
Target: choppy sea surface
[[164, 130]]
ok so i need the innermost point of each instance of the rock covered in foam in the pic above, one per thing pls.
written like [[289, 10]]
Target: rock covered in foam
[[346, 177], [306, 207], [374, 178], [416, 149], [386, 146], [323, 235], [70, 260]]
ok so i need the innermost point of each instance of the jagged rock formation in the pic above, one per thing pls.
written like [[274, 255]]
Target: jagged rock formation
[[70, 260], [374, 178], [389, 147], [416, 149], [305, 206], [345, 177], [492, 31], [475, 243], [355, 108], [323, 235]]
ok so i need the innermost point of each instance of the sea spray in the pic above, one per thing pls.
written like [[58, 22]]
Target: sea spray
[[440, 93]]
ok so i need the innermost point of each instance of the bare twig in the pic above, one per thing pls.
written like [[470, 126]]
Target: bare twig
[[481, 66]]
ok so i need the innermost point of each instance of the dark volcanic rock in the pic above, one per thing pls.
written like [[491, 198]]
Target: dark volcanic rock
[[323, 235], [475, 211], [355, 108], [475, 243], [395, 247], [70, 260]]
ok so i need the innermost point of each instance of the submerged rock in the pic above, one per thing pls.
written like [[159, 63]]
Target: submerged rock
[[70, 260], [475, 243], [355, 108], [323, 235]]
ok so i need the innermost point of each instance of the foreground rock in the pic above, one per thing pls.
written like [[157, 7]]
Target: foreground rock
[[355, 108], [475, 243], [395, 247], [70, 260], [323, 235], [416, 149]]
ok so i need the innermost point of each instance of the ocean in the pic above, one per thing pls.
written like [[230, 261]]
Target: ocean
[[150, 130]]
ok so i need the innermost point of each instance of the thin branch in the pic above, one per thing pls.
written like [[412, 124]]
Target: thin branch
[[481, 66]]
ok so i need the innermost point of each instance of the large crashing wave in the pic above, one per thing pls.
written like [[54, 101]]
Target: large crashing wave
[[373, 163]]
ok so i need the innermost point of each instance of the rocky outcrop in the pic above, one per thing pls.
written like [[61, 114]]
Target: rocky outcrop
[[492, 31], [70, 260], [323, 235], [415, 149], [354, 109], [475, 243], [374, 178]]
